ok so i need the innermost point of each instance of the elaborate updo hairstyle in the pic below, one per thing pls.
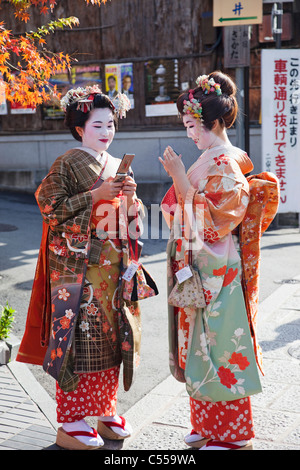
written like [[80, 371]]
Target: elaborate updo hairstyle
[[223, 107], [75, 117]]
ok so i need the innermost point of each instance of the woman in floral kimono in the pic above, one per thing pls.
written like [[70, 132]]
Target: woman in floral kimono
[[79, 326], [211, 347]]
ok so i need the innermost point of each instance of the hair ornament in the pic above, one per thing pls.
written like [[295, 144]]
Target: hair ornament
[[208, 85], [121, 104], [85, 99], [192, 106], [83, 96]]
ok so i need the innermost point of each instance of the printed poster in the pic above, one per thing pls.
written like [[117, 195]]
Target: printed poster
[[119, 79], [79, 76]]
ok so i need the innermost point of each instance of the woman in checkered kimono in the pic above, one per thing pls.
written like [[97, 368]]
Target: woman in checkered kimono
[[79, 325]]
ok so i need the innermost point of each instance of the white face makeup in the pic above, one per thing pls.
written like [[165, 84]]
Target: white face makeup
[[99, 130], [202, 137]]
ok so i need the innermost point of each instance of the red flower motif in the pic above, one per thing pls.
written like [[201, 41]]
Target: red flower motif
[[54, 275], [221, 159], [207, 295], [240, 360], [53, 354], [59, 352], [126, 346], [220, 271], [98, 293], [75, 228], [227, 378], [65, 323], [178, 245], [103, 285], [229, 277], [210, 235], [105, 327], [92, 309]]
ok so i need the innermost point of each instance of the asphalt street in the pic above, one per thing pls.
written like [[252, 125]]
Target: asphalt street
[[20, 234]]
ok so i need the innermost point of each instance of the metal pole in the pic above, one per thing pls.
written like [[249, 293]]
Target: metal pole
[[277, 13], [240, 128]]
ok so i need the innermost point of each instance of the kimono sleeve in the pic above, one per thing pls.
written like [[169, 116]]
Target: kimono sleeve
[[61, 207], [222, 205]]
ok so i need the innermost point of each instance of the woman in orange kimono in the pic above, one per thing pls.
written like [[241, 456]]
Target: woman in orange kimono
[[211, 347], [79, 325]]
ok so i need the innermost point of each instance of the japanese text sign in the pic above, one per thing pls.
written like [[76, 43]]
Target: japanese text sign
[[229, 12], [280, 97]]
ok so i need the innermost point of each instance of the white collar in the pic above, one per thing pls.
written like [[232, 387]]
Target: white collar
[[98, 156]]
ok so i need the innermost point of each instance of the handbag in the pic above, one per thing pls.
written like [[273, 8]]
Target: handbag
[[188, 293], [141, 285]]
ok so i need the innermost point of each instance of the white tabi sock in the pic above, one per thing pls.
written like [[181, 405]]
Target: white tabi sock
[[127, 431], [83, 426]]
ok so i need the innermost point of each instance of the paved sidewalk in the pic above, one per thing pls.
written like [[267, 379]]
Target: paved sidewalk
[[161, 418]]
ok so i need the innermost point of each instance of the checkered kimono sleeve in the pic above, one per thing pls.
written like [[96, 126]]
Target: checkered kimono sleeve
[[62, 206]]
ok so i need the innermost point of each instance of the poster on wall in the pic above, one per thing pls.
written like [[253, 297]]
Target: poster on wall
[[119, 78], [281, 122], [79, 76], [161, 87], [3, 103], [17, 108]]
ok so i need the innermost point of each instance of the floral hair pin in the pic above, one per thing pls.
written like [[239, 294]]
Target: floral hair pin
[[208, 85], [85, 98], [121, 104], [192, 106]]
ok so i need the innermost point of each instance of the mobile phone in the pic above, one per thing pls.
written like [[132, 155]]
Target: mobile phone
[[125, 163], [123, 167]]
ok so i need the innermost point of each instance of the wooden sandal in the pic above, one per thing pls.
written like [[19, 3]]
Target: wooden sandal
[[68, 441], [229, 445], [104, 429], [196, 444]]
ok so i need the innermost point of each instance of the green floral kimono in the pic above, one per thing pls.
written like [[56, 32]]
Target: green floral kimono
[[211, 348]]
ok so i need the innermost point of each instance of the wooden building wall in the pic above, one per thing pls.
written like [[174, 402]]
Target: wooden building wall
[[136, 31]]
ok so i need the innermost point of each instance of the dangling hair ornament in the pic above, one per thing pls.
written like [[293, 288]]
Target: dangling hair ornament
[[121, 104], [85, 99], [192, 106], [208, 85]]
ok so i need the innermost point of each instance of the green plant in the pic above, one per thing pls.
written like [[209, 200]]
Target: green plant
[[6, 321]]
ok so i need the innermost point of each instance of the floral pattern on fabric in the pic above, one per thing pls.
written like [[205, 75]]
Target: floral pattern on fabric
[[211, 348], [223, 421], [96, 395]]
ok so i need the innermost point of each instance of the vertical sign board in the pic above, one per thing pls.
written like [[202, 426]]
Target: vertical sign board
[[236, 46], [280, 98]]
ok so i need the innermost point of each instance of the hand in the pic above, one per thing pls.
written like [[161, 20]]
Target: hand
[[108, 190], [129, 188], [172, 163]]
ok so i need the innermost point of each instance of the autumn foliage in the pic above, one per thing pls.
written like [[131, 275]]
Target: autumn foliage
[[26, 65]]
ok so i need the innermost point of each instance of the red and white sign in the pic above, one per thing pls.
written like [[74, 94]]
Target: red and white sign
[[280, 96]]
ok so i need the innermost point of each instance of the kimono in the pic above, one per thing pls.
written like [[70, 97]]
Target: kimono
[[78, 320], [211, 348]]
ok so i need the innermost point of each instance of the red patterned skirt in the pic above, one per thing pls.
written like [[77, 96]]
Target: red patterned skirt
[[96, 395]]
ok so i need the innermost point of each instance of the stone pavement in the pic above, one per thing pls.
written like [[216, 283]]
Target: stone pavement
[[161, 418]]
